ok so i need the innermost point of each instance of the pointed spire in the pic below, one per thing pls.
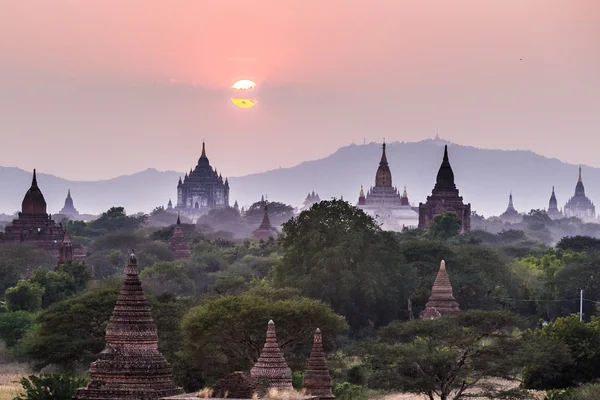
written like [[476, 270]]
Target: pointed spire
[[441, 302], [445, 176], [578, 180], [446, 153], [383, 155], [510, 200], [271, 366], [362, 192], [178, 219], [317, 381], [68, 193], [34, 180], [405, 194], [203, 150]]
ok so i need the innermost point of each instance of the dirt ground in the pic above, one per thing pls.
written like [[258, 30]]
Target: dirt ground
[[10, 374]]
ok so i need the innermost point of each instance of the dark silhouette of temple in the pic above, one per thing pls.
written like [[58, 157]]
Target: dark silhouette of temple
[[130, 367], [69, 209], [265, 230], [553, 211], [444, 197], [178, 245], [203, 189], [34, 225], [580, 206]]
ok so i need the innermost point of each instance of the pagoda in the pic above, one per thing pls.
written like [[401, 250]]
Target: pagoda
[[265, 230], [317, 381], [69, 209], [34, 225], [444, 197], [511, 215], [65, 251], [271, 366], [178, 245], [553, 211], [130, 367], [580, 206], [441, 302], [311, 198]]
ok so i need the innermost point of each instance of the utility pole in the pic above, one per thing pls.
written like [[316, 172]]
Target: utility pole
[[581, 305]]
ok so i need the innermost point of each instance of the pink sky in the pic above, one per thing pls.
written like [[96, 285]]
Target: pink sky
[[96, 89]]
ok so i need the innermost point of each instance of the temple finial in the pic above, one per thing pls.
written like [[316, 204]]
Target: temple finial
[[443, 265], [579, 180], [178, 219], [34, 180], [203, 150], [446, 152]]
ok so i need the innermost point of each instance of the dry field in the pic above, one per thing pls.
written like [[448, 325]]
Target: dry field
[[10, 374]]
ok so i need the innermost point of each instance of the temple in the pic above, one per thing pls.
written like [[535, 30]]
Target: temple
[[271, 366], [317, 381], [203, 189], [69, 209], [130, 367], [65, 251], [178, 245], [444, 197], [385, 203], [511, 215], [579, 205], [34, 225], [553, 211], [265, 230], [170, 205], [311, 198], [441, 302]]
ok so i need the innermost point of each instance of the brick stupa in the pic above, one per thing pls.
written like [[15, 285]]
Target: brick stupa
[[178, 245], [317, 381], [271, 366], [130, 367], [265, 230], [441, 302]]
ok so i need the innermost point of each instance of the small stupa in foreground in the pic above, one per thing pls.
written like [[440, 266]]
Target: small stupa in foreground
[[271, 366], [130, 367], [317, 381], [441, 302]]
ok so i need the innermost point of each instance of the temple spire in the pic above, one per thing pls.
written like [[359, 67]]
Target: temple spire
[[445, 176], [384, 160], [203, 150], [271, 365], [441, 302], [578, 180], [317, 381], [68, 193], [178, 219], [34, 180]]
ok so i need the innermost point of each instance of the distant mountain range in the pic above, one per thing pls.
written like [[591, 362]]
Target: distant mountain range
[[484, 177]]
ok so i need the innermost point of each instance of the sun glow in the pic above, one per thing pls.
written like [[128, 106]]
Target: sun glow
[[244, 84], [243, 103]]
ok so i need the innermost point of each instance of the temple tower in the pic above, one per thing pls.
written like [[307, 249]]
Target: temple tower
[[444, 197], [265, 230], [361, 197], [441, 302], [65, 251], [553, 211], [130, 367], [271, 365], [580, 206], [511, 215], [69, 209], [178, 245], [317, 381]]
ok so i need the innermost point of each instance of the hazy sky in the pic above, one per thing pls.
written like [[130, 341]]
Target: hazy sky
[[95, 89]]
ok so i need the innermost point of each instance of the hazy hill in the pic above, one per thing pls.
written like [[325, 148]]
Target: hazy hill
[[484, 178]]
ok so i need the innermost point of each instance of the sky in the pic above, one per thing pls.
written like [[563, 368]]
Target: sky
[[96, 89]]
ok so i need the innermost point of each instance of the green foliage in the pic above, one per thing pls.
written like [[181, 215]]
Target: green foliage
[[579, 244], [336, 253], [168, 277], [16, 259], [106, 263], [228, 333], [50, 387], [584, 392], [444, 226], [26, 296], [13, 326], [70, 331], [359, 374], [70, 279], [446, 356], [563, 353], [278, 212], [116, 219], [227, 285], [297, 378], [348, 391]]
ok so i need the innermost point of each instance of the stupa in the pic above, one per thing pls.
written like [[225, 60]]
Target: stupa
[[441, 302], [178, 245], [265, 230], [130, 367], [317, 381], [271, 366], [69, 209]]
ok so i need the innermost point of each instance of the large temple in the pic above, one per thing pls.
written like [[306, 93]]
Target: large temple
[[580, 206], [385, 203], [444, 197], [203, 189], [553, 211], [34, 225], [130, 367], [441, 302], [511, 215], [69, 209]]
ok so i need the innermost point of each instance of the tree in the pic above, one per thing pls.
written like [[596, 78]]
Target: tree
[[26, 296], [70, 279], [168, 277], [116, 219], [444, 226], [336, 253], [228, 333], [572, 354], [446, 357], [14, 325], [278, 212], [16, 260], [579, 244]]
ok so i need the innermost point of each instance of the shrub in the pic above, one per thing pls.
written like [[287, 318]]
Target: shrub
[[50, 387], [26, 296], [348, 391]]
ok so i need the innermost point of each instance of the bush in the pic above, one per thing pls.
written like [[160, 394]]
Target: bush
[[13, 326], [348, 391], [26, 296], [50, 387], [585, 392], [358, 375], [297, 378]]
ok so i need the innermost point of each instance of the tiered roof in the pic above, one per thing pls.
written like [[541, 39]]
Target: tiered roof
[[271, 366], [317, 381], [178, 244], [441, 302], [265, 230], [130, 367]]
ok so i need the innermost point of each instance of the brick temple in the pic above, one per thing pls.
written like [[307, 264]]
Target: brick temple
[[130, 367], [271, 366], [317, 381], [441, 302], [444, 197], [178, 245], [265, 230]]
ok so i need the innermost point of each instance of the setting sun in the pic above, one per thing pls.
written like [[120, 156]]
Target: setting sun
[[244, 84], [243, 103]]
